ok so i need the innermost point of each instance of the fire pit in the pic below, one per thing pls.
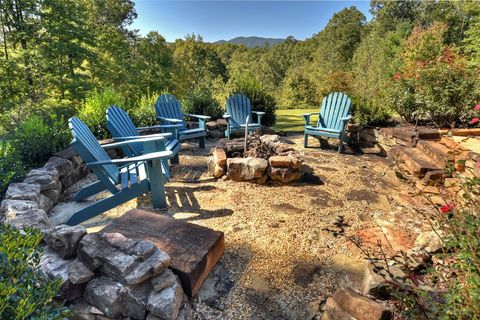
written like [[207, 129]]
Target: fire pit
[[265, 157]]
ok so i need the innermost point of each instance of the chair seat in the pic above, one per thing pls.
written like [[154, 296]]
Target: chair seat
[[191, 133], [322, 129]]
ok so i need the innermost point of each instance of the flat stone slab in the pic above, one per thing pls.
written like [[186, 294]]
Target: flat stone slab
[[194, 250]]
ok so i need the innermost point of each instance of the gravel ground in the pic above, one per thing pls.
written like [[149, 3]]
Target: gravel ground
[[282, 260]]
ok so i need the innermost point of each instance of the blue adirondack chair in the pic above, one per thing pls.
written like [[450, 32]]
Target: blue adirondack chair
[[170, 116], [135, 176], [122, 128], [239, 114], [333, 117]]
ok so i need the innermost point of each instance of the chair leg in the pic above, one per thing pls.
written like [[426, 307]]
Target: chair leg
[[305, 140], [157, 181], [175, 159], [341, 147], [227, 133], [201, 143]]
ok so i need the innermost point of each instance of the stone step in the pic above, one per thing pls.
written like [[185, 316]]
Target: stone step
[[417, 162], [194, 250], [439, 153]]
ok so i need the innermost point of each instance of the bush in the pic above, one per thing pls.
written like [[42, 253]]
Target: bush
[[367, 112], [201, 101], [11, 167], [36, 139], [260, 100], [434, 81], [25, 293], [94, 108], [143, 115]]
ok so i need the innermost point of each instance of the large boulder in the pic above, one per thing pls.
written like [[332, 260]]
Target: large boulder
[[166, 303], [61, 165], [54, 267], [23, 191], [22, 214], [430, 241], [242, 169], [65, 239], [284, 175], [360, 307], [114, 299], [78, 273], [47, 178], [126, 260]]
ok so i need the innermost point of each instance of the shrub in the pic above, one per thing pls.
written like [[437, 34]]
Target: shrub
[[434, 80], [143, 114], [260, 100], [36, 139], [201, 101], [368, 112], [11, 167], [25, 293], [94, 108]]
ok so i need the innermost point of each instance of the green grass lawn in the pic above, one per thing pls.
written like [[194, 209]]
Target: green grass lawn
[[291, 120]]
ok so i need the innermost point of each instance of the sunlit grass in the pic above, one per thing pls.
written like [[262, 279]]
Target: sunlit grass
[[291, 120]]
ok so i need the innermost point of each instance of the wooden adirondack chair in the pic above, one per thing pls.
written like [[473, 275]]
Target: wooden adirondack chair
[[239, 114], [333, 117], [122, 128], [170, 116], [135, 176]]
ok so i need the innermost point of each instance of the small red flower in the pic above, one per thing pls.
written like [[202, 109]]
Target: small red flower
[[447, 208], [397, 76], [475, 120], [477, 107]]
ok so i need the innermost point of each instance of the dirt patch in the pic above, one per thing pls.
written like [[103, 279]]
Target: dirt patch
[[361, 195], [305, 273]]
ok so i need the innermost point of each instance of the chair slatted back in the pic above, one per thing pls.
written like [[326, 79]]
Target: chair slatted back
[[168, 106], [334, 106], [238, 106], [87, 146], [119, 124]]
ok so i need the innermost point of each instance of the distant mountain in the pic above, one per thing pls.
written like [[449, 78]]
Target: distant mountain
[[252, 42]]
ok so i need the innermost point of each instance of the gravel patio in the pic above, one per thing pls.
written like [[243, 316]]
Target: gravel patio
[[281, 254]]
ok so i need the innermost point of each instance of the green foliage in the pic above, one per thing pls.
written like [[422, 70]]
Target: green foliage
[[366, 112], [143, 113], [11, 168], [435, 77], [201, 102], [24, 292], [36, 139], [260, 100], [94, 109]]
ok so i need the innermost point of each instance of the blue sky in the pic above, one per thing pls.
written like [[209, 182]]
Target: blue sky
[[217, 20]]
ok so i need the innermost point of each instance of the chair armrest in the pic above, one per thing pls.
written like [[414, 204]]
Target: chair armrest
[[198, 116], [146, 157], [259, 112], [307, 117], [127, 142], [170, 120], [227, 116], [345, 119], [156, 135], [150, 127], [309, 114]]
